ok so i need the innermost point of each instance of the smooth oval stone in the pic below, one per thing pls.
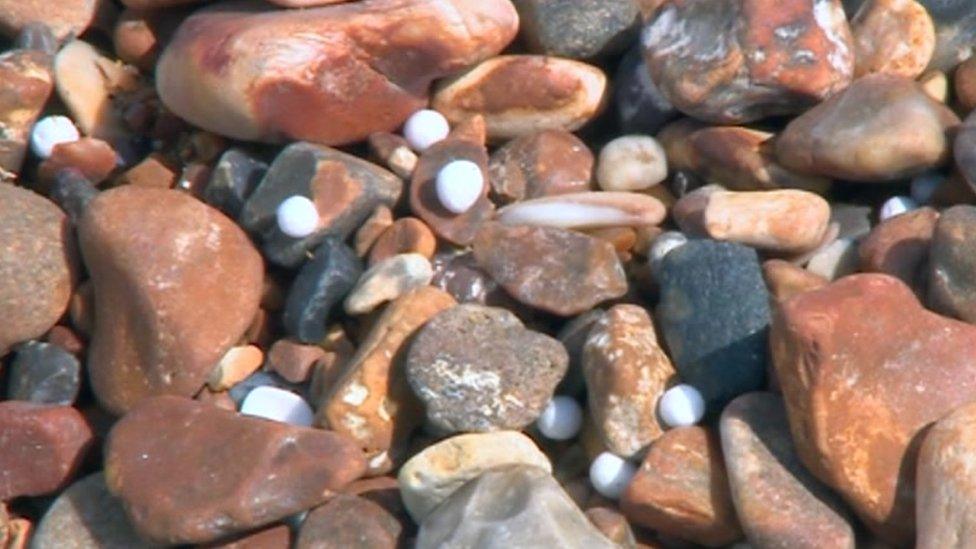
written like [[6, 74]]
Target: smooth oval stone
[[234, 178], [64, 18], [350, 521], [36, 265], [748, 59], [900, 246], [332, 74], [714, 315], [903, 134], [641, 106], [43, 447], [45, 374], [951, 279], [540, 164], [513, 506], [893, 37], [556, 270], [189, 472], [321, 285], [431, 476], [478, 368], [86, 516], [861, 388], [779, 503], [176, 285], [579, 30]]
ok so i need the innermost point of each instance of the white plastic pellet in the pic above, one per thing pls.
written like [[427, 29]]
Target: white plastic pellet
[[424, 128], [562, 418], [297, 216], [681, 406], [278, 405], [896, 205], [610, 474], [51, 131], [459, 185]]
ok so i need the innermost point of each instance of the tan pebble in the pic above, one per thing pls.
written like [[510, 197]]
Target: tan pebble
[[153, 171], [407, 235], [234, 367], [892, 37], [936, 85], [785, 279], [93, 158]]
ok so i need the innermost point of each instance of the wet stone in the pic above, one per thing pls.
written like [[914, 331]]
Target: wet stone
[[321, 285], [234, 178], [43, 373]]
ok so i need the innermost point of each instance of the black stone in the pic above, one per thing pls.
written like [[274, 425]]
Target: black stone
[[639, 104], [44, 373], [581, 29], [714, 315], [234, 178], [952, 264], [72, 192], [321, 284]]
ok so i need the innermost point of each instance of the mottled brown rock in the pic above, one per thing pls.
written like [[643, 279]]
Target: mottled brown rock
[[407, 235], [332, 74], [559, 271], [626, 373], [43, 447], [349, 521], [382, 490], [899, 246], [540, 164], [459, 275], [892, 37], [681, 489], [37, 260], [785, 279], [189, 472], [234, 367], [64, 17], [748, 59], [26, 82], [176, 285], [522, 94], [92, 158], [393, 151], [371, 402], [903, 134], [864, 369], [292, 360], [779, 503]]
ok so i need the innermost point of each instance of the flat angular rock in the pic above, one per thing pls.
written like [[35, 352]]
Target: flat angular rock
[[556, 270], [540, 164], [904, 135], [36, 265], [478, 368], [332, 74], [893, 37], [900, 246], [64, 18], [748, 59], [189, 472], [578, 30], [779, 503], [626, 374], [951, 280], [176, 285], [714, 316], [514, 506], [321, 285], [860, 388], [27, 83], [43, 447], [45, 374], [349, 521]]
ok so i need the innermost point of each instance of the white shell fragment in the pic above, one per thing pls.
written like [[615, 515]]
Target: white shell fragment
[[587, 210]]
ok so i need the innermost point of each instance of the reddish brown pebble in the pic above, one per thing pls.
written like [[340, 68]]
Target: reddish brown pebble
[[407, 235], [349, 521], [784, 279], [15, 533], [384, 491], [964, 84], [93, 158], [154, 171], [371, 229], [540, 164], [188, 472], [294, 361], [899, 246], [42, 445], [140, 34], [26, 83], [67, 339], [892, 37], [275, 537], [236, 365]]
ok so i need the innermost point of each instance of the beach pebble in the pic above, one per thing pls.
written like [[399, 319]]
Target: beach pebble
[[349, 521], [662, 246], [64, 18], [681, 406], [297, 217], [584, 29], [892, 37], [388, 280], [459, 185], [896, 205], [407, 235], [561, 419], [631, 163], [393, 151], [51, 131], [322, 283], [278, 405], [900, 246], [26, 83], [786, 279], [44, 373], [946, 485], [951, 280], [540, 164], [294, 361], [236, 365], [589, 210], [234, 178], [424, 128], [610, 474]]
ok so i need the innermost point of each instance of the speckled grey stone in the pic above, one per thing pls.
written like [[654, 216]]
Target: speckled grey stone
[[45, 374], [321, 284], [578, 29]]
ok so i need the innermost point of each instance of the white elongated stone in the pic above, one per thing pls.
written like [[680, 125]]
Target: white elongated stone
[[589, 210], [459, 185], [610, 474], [50, 132], [562, 418], [278, 405], [424, 128], [297, 216], [681, 406]]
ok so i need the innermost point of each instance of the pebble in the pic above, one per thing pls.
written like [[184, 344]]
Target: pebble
[[664, 244], [714, 316], [785, 279], [459, 184], [278, 405], [522, 94], [542, 163], [345, 84], [706, 61], [64, 18], [424, 128], [589, 210], [261, 378], [350, 521], [610, 474], [293, 468], [44, 374], [369, 232], [234, 177], [478, 369], [681, 406], [514, 506], [555, 270], [431, 476], [631, 163], [900, 246], [236, 365], [272, 537], [626, 373], [681, 490], [612, 525], [27, 85], [573, 335], [37, 265], [293, 361], [93, 159], [951, 280], [388, 280], [892, 37], [955, 30], [641, 107], [139, 35], [51, 131], [896, 205], [561, 419], [176, 285], [44, 446], [923, 187], [458, 274], [407, 235], [835, 260], [902, 367], [585, 29], [322, 283]]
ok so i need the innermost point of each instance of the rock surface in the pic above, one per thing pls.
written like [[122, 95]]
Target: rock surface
[[321, 285], [349, 521], [540, 164], [951, 280], [44, 373], [388, 280], [900, 246], [893, 37], [578, 30], [27, 85]]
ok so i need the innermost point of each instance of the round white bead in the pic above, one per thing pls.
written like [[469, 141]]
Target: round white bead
[[681, 406], [297, 216], [924, 186], [51, 131], [424, 128], [610, 474], [278, 405], [561, 419], [459, 185], [896, 205]]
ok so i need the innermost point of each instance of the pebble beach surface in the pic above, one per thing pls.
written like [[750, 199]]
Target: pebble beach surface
[[487, 274]]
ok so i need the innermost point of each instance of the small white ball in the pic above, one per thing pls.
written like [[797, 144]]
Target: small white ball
[[896, 205], [459, 185], [561, 419], [278, 405], [297, 216], [681, 406], [51, 131], [424, 128], [610, 474], [924, 186]]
